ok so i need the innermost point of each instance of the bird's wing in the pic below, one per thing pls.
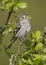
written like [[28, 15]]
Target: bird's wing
[[16, 29], [14, 35]]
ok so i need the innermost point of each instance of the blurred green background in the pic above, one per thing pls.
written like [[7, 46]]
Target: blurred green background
[[37, 10]]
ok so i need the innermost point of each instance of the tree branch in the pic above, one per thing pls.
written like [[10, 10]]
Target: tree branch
[[14, 57], [9, 15]]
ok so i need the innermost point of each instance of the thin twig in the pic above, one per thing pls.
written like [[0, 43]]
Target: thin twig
[[10, 12], [11, 59], [14, 56], [19, 48], [9, 15]]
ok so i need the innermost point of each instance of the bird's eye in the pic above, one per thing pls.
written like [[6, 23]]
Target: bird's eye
[[22, 17]]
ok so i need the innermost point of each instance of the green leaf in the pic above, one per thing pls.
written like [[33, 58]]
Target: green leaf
[[7, 30], [22, 5], [9, 5], [20, 62], [15, 9], [28, 61], [38, 34], [26, 52], [4, 1], [39, 46], [36, 62], [39, 56], [44, 50], [2, 7], [27, 43], [32, 35]]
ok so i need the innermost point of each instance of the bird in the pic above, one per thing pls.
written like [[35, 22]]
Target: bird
[[21, 30]]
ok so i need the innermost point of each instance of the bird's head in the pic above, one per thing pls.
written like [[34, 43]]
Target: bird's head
[[24, 17]]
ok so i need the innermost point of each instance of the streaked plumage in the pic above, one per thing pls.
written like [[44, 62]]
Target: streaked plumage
[[22, 28]]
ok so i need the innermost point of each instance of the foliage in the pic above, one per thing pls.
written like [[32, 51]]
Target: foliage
[[8, 4], [35, 53]]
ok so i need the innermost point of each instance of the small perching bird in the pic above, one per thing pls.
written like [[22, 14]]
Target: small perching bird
[[22, 29]]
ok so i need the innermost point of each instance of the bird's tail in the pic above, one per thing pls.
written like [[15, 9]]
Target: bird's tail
[[11, 42]]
